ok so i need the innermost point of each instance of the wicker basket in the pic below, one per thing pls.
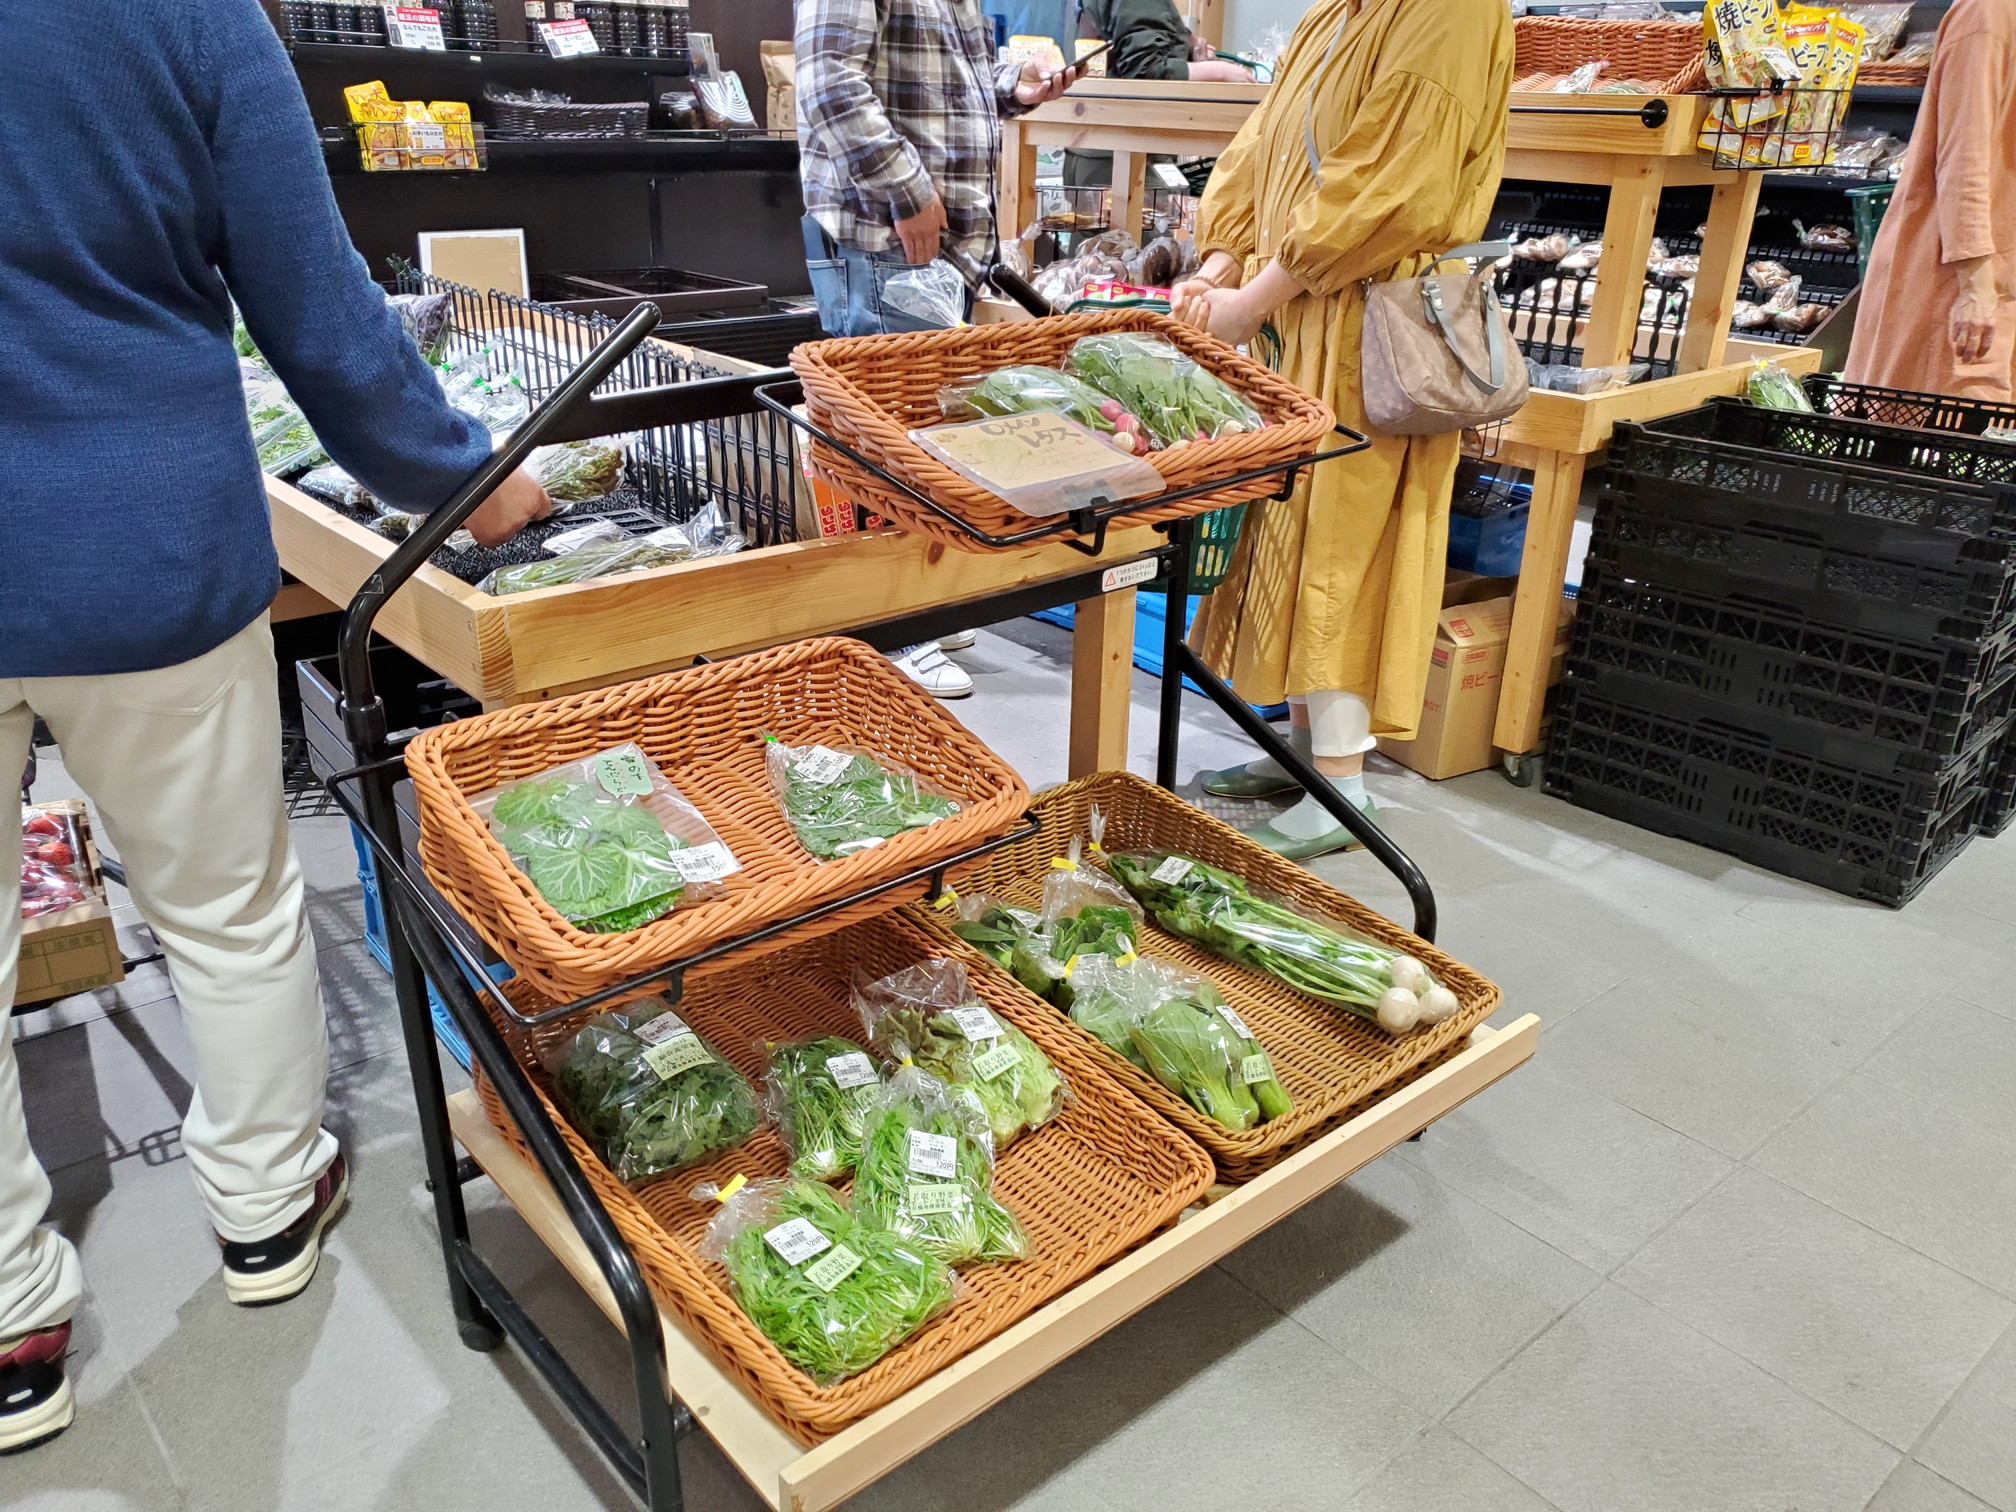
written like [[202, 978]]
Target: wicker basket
[[704, 728], [538, 118], [1664, 54], [1088, 1186], [1332, 1062], [1893, 73], [870, 391]]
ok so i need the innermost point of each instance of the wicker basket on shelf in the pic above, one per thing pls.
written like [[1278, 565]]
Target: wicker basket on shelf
[[1894, 73], [1091, 1184], [557, 118], [871, 391], [1332, 1062], [1663, 55], [704, 728]]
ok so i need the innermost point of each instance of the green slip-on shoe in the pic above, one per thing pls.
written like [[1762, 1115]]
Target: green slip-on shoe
[[1331, 840], [1241, 782]]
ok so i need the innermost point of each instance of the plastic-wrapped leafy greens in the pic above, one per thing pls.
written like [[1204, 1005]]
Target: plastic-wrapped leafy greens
[[426, 320], [496, 399], [595, 549], [929, 1014], [1087, 916], [842, 800], [1172, 395], [818, 1096], [1103, 1000], [285, 441], [835, 1293], [333, 485], [1179, 1031], [925, 1171], [1012, 938], [1018, 390], [1771, 387], [576, 471], [651, 1094], [607, 841]]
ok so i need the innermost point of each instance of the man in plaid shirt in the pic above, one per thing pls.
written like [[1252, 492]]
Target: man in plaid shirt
[[899, 107]]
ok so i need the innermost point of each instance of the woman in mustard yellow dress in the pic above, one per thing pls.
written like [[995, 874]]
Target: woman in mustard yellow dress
[[1333, 594]]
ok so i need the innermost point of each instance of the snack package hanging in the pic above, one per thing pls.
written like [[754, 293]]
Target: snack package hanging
[[1020, 390], [927, 1163], [928, 1014], [1745, 45], [833, 1292], [607, 841], [841, 799], [817, 1094], [1218, 911], [649, 1093], [1174, 397]]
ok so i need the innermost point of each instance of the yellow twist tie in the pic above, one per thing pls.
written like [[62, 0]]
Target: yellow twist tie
[[1070, 965], [734, 1185], [1128, 959], [1063, 863], [946, 899]]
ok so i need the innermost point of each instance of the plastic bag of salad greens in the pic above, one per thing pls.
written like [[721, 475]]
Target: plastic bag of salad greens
[[841, 799], [927, 1163], [596, 549], [1012, 938], [1174, 397], [1771, 387], [573, 472], [426, 319], [333, 485], [1086, 916], [1220, 912], [649, 1093], [607, 841], [817, 1095], [1188, 1045], [281, 434], [495, 398], [831, 1290], [1104, 995], [929, 1014], [1019, 390]]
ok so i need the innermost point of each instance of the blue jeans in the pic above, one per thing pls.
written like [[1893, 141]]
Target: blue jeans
[[848, 285]]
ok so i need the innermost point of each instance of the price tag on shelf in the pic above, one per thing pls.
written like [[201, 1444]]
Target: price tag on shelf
[[568, 39], [415, 27], [426, 136]]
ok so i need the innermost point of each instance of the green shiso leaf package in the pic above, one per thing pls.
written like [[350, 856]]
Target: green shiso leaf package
[[818, 1095], [1222, 913], [607, 841], [831, 1290], [926, 1172], [929, 1015], [841, 801], [649, 1093]]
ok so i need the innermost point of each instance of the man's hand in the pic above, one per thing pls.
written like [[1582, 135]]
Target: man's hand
[[517, 502], [1038, 85], [1219, 71], [920, 232], [1973, 318]]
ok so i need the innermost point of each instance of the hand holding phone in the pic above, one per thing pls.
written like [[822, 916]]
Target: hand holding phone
[[1083, 58]]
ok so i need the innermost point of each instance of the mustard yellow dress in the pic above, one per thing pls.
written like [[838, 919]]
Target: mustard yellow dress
[[1338, 587]]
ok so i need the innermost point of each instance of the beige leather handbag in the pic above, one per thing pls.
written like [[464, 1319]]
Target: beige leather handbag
[[1436, 354]]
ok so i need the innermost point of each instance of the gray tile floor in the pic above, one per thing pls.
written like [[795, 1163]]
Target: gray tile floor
[[1742, 1238]]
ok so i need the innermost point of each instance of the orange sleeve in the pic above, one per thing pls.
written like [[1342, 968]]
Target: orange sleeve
[[1971, 82]]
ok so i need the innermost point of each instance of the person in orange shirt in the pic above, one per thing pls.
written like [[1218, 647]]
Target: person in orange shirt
[[1938, 311]]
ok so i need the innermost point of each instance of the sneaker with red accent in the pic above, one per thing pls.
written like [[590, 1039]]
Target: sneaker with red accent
[[36, 1402], [272, 1270]]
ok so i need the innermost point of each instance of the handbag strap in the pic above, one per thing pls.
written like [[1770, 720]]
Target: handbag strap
[[1309, 107], [1494, 333]]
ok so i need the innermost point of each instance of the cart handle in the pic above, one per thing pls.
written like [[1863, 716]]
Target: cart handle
[[363, 710]]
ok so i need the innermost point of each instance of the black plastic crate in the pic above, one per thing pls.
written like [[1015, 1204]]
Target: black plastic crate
[[1960, 590], [2000, 805], [1912, 410], [1872, 697], [767, 338], [1732, 786]]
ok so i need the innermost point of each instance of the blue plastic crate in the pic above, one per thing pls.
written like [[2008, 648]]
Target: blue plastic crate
[[1489, 545]]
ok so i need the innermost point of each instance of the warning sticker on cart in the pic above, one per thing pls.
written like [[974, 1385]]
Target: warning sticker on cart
[[1127, 575]]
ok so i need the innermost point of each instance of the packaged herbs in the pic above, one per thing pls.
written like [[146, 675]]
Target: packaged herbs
[[596, 549], [1020, 390], [928, 1014], [1769, 386], [607, 841], [818, 1096], [576, 471], [649, 1093], [926, 1166], [1013, 938], [835, 1293], [843, 800], [1174, 397]]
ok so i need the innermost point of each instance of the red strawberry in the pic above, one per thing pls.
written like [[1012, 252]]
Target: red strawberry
[[56, 853], [43, 824]]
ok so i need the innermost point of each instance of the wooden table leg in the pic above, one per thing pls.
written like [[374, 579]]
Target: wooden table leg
[[1127, 170], [1731, 208], [1018, 181], [1102, 682], [1611, 333], [1550, 523]]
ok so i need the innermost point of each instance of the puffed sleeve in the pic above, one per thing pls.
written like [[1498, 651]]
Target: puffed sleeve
[[1226, 217], [1971, 84], [1389, 187]]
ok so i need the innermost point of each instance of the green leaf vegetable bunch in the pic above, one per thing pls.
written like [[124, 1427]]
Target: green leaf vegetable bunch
[[1193, 1054], [573, 472], [1013, 939], [822, 1119], [841, 802], [926, 1167], [1175, 398], [1020, 390]]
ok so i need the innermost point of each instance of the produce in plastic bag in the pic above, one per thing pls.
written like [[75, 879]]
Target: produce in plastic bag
[[1189, 1048], [1769, 386], [934, 295], [1174, 397], [1567, 378], [1086, 916], [818, 1096], [1582, 79], [1768, 275], [596, 549], [281, 434], [926, 1166], [834, 1292], [333, 485], [841, 800], [576, 471], [1220, 912], [427, 320], [1040, 463], [1022, 390], [928, 1014], [1104, 996], [607, 841], [1013, 938], [397, 524], [649, 1093], [712, 532], [496, 400], [1825, 238]]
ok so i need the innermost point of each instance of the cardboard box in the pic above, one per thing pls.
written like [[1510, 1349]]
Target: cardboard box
[[1467, 670], [68, 952]]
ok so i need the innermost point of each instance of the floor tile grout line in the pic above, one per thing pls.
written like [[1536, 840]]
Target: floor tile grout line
[[1938, 1418]]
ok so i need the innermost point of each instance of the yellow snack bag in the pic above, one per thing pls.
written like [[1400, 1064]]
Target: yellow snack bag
[[1745, 45], [451, 111], [369, 102]]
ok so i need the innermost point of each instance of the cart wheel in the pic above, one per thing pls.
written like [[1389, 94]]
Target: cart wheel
[[1520, 771], [481, 1337]]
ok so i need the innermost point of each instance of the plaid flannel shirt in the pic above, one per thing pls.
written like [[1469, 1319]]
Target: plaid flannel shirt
[[897, 98]]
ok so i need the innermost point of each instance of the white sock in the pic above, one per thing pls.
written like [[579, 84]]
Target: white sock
[[1309, 820]]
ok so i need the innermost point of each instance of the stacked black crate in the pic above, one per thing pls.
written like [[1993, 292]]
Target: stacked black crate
[[1796, 635]]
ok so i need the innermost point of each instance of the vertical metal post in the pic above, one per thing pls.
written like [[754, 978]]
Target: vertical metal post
[[1176, 605]]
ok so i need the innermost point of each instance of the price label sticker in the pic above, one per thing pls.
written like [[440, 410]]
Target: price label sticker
[[1238, 1024], [833, 1269], [624, 773], [680, 1053], [1254, 1068], [928, 1197], [705, 863], [415, 27], [934, 1154], [976, 1023], [822, 766], [568, 39], [796, 1240], [426, 136], [851, 1070], [1174, 869], [662, 1028], [995, 1062]]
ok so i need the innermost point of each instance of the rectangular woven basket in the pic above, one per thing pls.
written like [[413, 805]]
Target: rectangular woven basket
[[871, 391], [1664, 54], [1332, 1062], [704, 728], [1091, 1184]]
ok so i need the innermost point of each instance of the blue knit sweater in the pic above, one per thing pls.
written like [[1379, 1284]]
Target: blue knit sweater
[[156, 160]]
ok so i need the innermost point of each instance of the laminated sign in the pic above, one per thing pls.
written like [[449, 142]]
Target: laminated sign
[[1042, 462]]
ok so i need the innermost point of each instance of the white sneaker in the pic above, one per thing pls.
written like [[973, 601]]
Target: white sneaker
[[959, 642], [926, 665]]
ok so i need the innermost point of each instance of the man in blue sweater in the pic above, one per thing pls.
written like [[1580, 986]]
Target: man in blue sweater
[[159, 163]]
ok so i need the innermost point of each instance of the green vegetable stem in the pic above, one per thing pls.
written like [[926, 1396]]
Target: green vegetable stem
[[1012, 938], [843, 801], [1175, 398], [819, 1094], [926, 1166]]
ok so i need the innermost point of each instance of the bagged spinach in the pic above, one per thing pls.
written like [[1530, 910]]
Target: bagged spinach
[[1175, 398]]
